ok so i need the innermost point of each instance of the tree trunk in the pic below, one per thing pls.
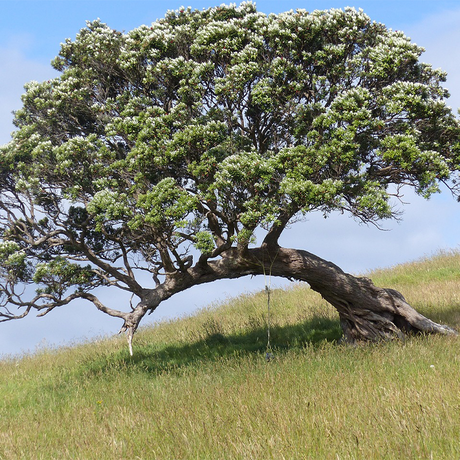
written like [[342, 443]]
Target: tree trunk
[[367, 312]]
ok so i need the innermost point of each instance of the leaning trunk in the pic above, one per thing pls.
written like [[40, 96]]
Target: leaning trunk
[[367, 312]]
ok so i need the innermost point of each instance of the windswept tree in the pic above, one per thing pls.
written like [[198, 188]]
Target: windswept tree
[[164, 150]]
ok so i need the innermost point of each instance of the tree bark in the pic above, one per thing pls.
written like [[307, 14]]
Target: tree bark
[[367, 312]]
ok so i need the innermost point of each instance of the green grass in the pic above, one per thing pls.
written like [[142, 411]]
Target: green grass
[[200, 388]]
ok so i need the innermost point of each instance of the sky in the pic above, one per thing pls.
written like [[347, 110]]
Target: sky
[[30, 35]]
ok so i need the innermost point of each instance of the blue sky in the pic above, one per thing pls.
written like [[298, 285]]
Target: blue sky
[[30, 34]]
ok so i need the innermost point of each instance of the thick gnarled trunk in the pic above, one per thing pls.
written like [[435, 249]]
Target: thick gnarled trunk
[[367, 312]]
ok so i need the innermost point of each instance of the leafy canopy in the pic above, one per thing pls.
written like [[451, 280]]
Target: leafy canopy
[[203, 127]]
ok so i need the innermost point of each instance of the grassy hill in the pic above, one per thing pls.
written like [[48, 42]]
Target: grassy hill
[[200, 387]]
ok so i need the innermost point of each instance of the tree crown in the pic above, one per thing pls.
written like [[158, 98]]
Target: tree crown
[[203, 127]]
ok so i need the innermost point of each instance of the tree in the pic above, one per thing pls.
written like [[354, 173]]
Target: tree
[[163, 150]]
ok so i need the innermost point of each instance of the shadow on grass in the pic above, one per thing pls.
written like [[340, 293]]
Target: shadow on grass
[[156, 359]]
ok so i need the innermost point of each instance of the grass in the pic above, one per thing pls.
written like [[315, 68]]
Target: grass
[[200, 388]]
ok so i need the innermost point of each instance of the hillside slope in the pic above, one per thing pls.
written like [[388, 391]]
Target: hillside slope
[[200, 387]]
